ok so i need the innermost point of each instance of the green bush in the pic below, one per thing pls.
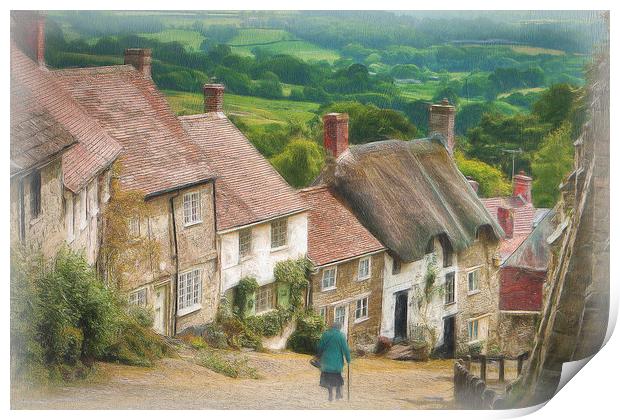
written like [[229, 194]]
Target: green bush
[[215, 336], [235, 368], [307, 335], [144, 316]]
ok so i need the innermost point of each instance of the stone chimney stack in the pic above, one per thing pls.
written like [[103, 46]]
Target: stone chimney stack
[[28, 32], [214, 97], [522, 186], [441, 120], [336, 133], [140, 58], [506, 221]]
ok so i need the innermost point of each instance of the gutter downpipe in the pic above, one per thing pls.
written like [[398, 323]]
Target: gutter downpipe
[[176, 265]]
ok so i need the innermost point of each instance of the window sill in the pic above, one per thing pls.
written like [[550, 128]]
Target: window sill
[[244, 259], [360, 320], [450, 303], [188, 225], [187, 311], [279, 248], [328, 289], [363, 278], [35, 220], [476, 341], [473, 292]]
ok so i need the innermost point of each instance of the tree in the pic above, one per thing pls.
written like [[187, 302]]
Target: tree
[[556, 104], [300, 162], [551, 163], [370, 123], [491, 181]]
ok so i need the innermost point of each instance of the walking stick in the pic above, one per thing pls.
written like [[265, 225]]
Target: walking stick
[[348, 382]]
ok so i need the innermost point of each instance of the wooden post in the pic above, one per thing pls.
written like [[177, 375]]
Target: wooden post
[[483, 367], [501, 369]]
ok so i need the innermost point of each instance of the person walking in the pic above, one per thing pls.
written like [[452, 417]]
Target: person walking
[[333, 349]]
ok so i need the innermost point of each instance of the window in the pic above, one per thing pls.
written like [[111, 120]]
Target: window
[[396, 265], [361, 309], [35, 194], [264, 298], [446, 248], [430, 246], [190, 291], [329, 279], [473, 278], [323, 313], [82, 208], [363, 269], [449, 296], [340, 315], [69, 218], [191, 208], [138, 297], [279, 230], [245, 243], [134, 227], [472, 328]]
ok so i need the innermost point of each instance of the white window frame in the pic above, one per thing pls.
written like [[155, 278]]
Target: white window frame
[[470, 330], [325, 271], [134, 227], [192, 209], [69, 217], [361, 309], [248, 243], [83, 208], [359, 270], [323, 313], [138, 297], [453, 275], [477, 278], [192, 302], [343, 322], [279, 224], [264, 293]]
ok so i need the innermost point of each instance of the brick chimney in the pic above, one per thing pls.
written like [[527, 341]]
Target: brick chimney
[[522, 186], [473, 184], [214, 97], [441, 120], [28, 32], [336, 133], [140, 58], [506, 221]]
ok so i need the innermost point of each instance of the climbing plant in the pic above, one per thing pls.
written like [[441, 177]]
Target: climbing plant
[[245, 296], [424, 296], [123, 253]]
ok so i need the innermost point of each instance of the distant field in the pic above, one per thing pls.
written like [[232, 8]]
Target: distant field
[[524, 49], [190, 39], [280, 42], [250, 110], [523, 91], [414, 91]]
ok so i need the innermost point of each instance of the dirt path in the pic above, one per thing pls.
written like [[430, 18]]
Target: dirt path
[[287, 382]]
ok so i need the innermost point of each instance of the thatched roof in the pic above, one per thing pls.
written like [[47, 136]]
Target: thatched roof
[[407, 192]]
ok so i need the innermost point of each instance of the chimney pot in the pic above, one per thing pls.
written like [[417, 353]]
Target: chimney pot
[[140, 58], [506, 221], [441, 120], [213, 97], [522, 186], [336, 133]]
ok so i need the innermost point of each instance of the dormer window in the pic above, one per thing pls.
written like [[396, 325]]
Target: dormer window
[[446, 248]]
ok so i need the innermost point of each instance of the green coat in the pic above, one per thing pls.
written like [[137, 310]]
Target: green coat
[[333, 349]]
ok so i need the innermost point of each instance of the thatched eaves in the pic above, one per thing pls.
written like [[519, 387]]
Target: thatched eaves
[[407, 192]]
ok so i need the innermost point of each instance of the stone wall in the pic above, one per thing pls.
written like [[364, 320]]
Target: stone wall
[[348, 290], [482, 304]]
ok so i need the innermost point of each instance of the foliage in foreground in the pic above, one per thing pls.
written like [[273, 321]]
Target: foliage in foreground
[[231, 367], [307, 335], [63, 318]]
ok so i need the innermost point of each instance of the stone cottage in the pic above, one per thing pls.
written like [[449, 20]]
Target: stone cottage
[[440, 240], [260, 219], [60, 157], [348, 265], [162, 164]]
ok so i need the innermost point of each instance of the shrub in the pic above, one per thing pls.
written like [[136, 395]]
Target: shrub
[[144, 316], [306, 336], [235, 368], [215, 336]]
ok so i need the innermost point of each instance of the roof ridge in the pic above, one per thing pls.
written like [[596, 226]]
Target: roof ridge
[[97, 69], [314, 188]]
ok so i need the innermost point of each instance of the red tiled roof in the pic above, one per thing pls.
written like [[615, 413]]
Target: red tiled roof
[[334, 234], [248, 188], [45, 120], [158, 155], [523, 212], [509, 245]]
